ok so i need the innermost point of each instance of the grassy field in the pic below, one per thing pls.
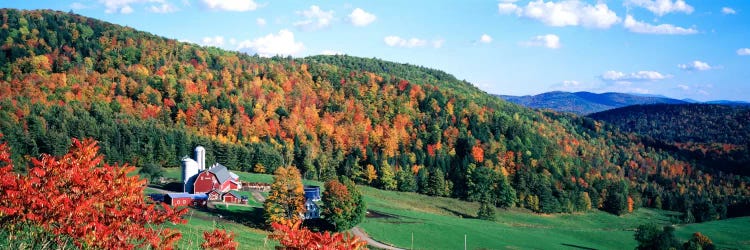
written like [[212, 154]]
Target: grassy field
[[200, 221], [441, 223]]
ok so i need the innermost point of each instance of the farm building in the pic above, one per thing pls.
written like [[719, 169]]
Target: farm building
[[198, 180], [185, 199], [312, 194], [217, 177], [232, 197]]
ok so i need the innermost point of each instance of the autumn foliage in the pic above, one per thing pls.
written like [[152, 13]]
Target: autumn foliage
[[293, 236], [219, 240], [286, 200], [97, 204]]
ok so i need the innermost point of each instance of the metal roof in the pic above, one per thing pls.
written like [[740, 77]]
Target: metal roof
[[221, 172], [186, 195]]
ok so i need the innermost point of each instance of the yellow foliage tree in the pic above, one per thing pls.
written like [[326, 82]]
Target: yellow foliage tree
[[286, 200]]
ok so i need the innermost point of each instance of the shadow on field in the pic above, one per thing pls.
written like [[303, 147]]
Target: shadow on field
[[457, 213], [253, 218], [577, 246]]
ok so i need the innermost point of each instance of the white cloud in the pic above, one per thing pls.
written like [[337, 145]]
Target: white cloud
[[395, 41], [485, 38], [78, 6], [163, 8], [564, 13], [360, 17], [507, 8], [662, 29], [661, 7], [637, 76], [743, 52], [273, 44], [549, 41], [125, 6], [683, 87], [260, 22], [230, 5], [696, 66], [728, 11], [126, 10], [315, 18], [216, 41]]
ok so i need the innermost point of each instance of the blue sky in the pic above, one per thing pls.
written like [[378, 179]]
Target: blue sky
[[677, 48]]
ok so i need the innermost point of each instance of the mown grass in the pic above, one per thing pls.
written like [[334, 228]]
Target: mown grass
[[200, 221], [441, 223]]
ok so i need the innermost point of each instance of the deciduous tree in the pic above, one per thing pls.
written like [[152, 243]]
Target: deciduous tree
[[286, 200]]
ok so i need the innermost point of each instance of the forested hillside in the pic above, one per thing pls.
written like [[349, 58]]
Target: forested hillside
[[717, 136], [148, 99]]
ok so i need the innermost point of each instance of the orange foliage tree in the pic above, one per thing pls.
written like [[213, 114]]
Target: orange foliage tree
[[97, 204], [286, 200], [293, 236], [219, 240]]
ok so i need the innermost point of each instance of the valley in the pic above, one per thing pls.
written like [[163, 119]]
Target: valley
[[431, 156]]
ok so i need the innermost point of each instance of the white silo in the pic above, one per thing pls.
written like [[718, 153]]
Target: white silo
[[190, 169], [200, 157]]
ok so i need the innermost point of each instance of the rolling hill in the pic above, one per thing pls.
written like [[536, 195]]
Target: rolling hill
[[150, 100], [585, 102]]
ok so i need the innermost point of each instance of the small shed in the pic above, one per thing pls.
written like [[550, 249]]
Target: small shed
[[178, 199], [232, 197]]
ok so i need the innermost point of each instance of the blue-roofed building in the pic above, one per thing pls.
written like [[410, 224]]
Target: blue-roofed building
[[185, 199], [312, 194]]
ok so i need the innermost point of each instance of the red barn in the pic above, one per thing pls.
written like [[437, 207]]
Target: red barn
[[216, 178], [232, 197]]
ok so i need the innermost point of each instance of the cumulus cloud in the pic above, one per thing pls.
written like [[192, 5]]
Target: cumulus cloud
[[360, 17], [550, 41], [485, 38], [395, 41], [743, 52], [636, 26], [661, 7], [216, 41], [230, 5], [282, 43], [260, 22], [564, 13], [728, 11], [636, 76], [696, 66], [316, 18], [162, 8]]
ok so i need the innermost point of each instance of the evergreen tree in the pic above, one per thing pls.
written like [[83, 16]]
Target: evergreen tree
[[406, 181]]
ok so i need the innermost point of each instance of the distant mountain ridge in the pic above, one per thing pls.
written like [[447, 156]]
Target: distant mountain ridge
[[586, 102]]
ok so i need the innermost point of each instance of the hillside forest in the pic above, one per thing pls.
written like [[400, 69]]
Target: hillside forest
[[150, 100], [711, 135]]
